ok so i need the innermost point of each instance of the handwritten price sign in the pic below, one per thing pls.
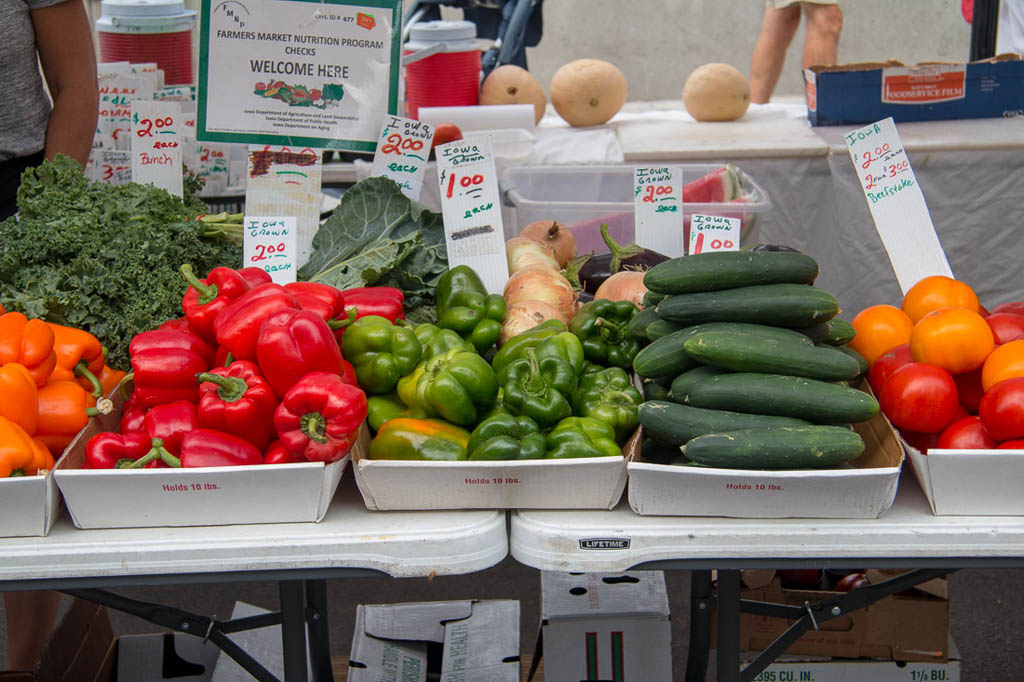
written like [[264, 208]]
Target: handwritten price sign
[[713, 233], [156, 136], [473, 229], [402, 151], [270, 243], [896, 203], [658, 209]]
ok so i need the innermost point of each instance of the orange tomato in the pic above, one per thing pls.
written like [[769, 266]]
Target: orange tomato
[[880, 328], [956, 339], [1005, 362], [938, 291]]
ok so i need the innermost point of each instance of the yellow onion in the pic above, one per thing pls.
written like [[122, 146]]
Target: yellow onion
[[624, 285], [553, 235], [544, 285], [525, 253], [527, 315]]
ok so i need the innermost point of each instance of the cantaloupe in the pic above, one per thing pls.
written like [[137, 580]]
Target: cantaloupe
[[716, 92], [588, 92], [511, 84]]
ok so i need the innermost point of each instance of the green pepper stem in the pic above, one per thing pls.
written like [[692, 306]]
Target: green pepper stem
[[157, 451], [207, 292], [572, 270], [228, 359], [609, 331], [350, 317], [82, 370], [535, 384], [229, 389], [16, 472], [618, 251], [314, 426], [124, 385]]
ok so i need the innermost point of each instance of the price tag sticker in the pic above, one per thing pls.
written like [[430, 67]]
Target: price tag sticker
[[402, 151], [471, 211], [658, 209], [713, 233], [896, 203], [270, 243], [156, 145]]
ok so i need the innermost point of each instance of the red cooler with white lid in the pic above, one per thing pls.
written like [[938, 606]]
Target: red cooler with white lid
[[442, 65], [141, 31]]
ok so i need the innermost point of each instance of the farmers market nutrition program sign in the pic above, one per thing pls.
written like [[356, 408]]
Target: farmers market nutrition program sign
[[312, 73]]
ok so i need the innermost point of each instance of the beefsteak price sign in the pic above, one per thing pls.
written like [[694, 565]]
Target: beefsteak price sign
[[307, 73]]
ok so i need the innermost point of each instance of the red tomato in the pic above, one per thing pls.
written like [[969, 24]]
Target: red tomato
[[887, 363], [920, 397], [1002, 409], [966, 434], [922, 442], [983, 311], [1015, 307], [1012, 445], [850, 582], [444, 133], [1006, 327], [969, 387]]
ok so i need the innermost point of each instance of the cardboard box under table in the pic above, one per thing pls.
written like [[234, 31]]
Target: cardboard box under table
[[814, 669], [861, 489], [206, 496]]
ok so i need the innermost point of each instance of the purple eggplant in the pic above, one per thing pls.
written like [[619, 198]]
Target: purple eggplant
[[589, 271]]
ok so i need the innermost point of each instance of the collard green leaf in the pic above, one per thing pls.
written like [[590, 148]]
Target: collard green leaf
[[371, 263]]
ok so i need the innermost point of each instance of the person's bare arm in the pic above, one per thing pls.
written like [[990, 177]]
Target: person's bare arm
[[64, 41]]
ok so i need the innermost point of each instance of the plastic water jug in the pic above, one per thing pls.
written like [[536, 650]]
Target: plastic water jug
[[140, 31], [442, 65]]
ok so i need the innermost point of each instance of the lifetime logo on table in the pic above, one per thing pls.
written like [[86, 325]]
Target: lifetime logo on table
[[604, 543]]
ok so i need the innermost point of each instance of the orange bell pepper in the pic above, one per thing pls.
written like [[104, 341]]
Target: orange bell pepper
[[79, 353], [17, 451], [20, 401], [64, 410], [109, 379], [29, 343], [42, 458]]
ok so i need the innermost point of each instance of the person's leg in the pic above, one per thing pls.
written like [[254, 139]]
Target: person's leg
[[777, 30], [823, 24], [30, 619]]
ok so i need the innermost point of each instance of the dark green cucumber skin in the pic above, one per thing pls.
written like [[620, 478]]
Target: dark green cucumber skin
[[659, 328], [676, 424], [728, 270], [835, 332], [815, 401], [781, 305], [637, 327], [862, 362], [666, 356], [681, 384], [652, 299], [657, 452], [748, 353], [806, 447], [655, 391]]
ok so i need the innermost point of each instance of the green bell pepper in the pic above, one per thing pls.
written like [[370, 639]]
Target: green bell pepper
[[499, 405], [539, 385], [514, 347], [436, 340], [609, 396], [382, 408], [581, 437], [420, 439], [506, 437], [602, 328], [564, 345], [381, 353], [457, 385], [464, 306]]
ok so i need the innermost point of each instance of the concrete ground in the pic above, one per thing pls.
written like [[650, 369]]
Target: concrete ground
[[987, 609]]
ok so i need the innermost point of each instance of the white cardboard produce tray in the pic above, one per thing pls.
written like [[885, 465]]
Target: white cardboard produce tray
[[28, 505], [584, 483], [970, 482], [206, 496], [864, 489]]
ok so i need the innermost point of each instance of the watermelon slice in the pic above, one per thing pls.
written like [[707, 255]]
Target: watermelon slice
[[718, 186]]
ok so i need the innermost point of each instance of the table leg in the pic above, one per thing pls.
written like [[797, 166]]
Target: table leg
[[700, 626], [728, 626], [293, 630], [319, 635]]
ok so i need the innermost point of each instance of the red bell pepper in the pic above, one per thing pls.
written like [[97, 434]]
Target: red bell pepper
[[171, 423], [348, 372], [323, 299], [118, 450], [254, 276], [237, 327], [386, 302], [198, 343], [277, 453], [206, 298], [165, 364], [209, 448], [320, 416], [237, 399], [133, 420], [293, 343]]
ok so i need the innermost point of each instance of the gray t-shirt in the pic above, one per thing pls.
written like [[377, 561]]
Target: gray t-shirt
[[23, 116]]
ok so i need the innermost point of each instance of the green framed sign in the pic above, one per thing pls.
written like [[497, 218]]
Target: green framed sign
[[306, 73]]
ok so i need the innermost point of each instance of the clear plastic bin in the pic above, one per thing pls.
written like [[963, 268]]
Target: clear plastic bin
[[583, 197]]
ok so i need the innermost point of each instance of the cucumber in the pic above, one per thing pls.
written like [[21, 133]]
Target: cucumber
[[750, 353], [681, 384], [666, 356], [655, 391], [774, 394], [658, 452], [637, 327], [805, 447], [782, 305], [835, 332], [862, 362], [659, 328], [676, 424], [728, 270], [651, 299]]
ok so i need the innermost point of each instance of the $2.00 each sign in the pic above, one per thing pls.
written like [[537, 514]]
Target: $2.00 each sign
[[270, 243]]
